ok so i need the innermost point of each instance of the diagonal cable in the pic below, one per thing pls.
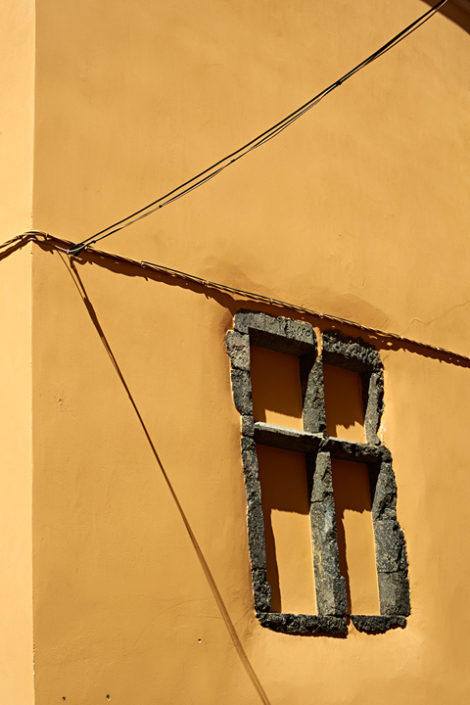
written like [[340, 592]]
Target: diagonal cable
[[258, 141]]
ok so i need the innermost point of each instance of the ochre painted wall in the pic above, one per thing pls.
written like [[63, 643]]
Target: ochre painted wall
[[358, 209], [16, 474], [142, 587], [121, 593], [17, 64]]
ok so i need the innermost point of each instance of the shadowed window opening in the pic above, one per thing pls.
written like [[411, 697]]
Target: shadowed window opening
[[353, 504], [286, 507], [277, 394], [344, 403]]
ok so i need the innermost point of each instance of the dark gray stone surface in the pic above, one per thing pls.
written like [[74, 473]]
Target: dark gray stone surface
[[311, 376], [254, 320], [394, 593], [350, 450], [261, 590], [277, 333], [330, 585], [238, 347], [255, 521], [377, 624], [248, 426], [241, 387], [322, 479], [384, 498], [353, 353], [304, 624], [389, 546], [374, 405], [300, 331], [287, 438]]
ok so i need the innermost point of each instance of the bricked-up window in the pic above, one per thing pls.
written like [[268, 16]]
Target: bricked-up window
[[364, 465]]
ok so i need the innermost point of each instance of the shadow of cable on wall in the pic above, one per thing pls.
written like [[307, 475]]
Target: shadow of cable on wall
[[457, 11], [71, 268], [234, 299]]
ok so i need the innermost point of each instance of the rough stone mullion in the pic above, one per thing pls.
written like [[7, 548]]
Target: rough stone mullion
[[255, 520], [374, 406], [390, 546], [313, 411], [330, 585], [394, 593], [385, 496]]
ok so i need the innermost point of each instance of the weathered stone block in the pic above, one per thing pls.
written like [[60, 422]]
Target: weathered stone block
[[385, 495], [375, 406], [322, 478], [261, 589], [241, 387], [351, 450], [394, 593], [313, 415], [304, 624], [246, 320], [248, 426], [238, 347], [376, 624], [353, 353], [300, 331], [330, 593], [390, 546], [322, 515]]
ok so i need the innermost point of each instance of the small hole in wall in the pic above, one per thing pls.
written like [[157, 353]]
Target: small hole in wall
[[199, 641], [108, 697]]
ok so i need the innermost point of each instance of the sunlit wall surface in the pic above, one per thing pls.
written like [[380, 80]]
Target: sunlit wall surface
[[141, 589]]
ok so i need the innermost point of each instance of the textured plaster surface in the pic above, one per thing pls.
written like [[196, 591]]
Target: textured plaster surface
[[119, 586], [16, 481], [359, 210], [17, 116]]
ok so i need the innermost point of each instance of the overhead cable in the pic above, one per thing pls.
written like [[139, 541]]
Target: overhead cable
[[261, 139]]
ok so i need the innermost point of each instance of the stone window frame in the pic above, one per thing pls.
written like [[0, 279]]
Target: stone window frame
[[294, 337]]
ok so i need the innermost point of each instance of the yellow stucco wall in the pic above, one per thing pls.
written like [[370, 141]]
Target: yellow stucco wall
[[121, 593], [142, 587], [16, 593], [367, 190], [17, 62]]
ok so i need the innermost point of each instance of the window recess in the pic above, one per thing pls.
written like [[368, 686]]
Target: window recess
[[354, 367]]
